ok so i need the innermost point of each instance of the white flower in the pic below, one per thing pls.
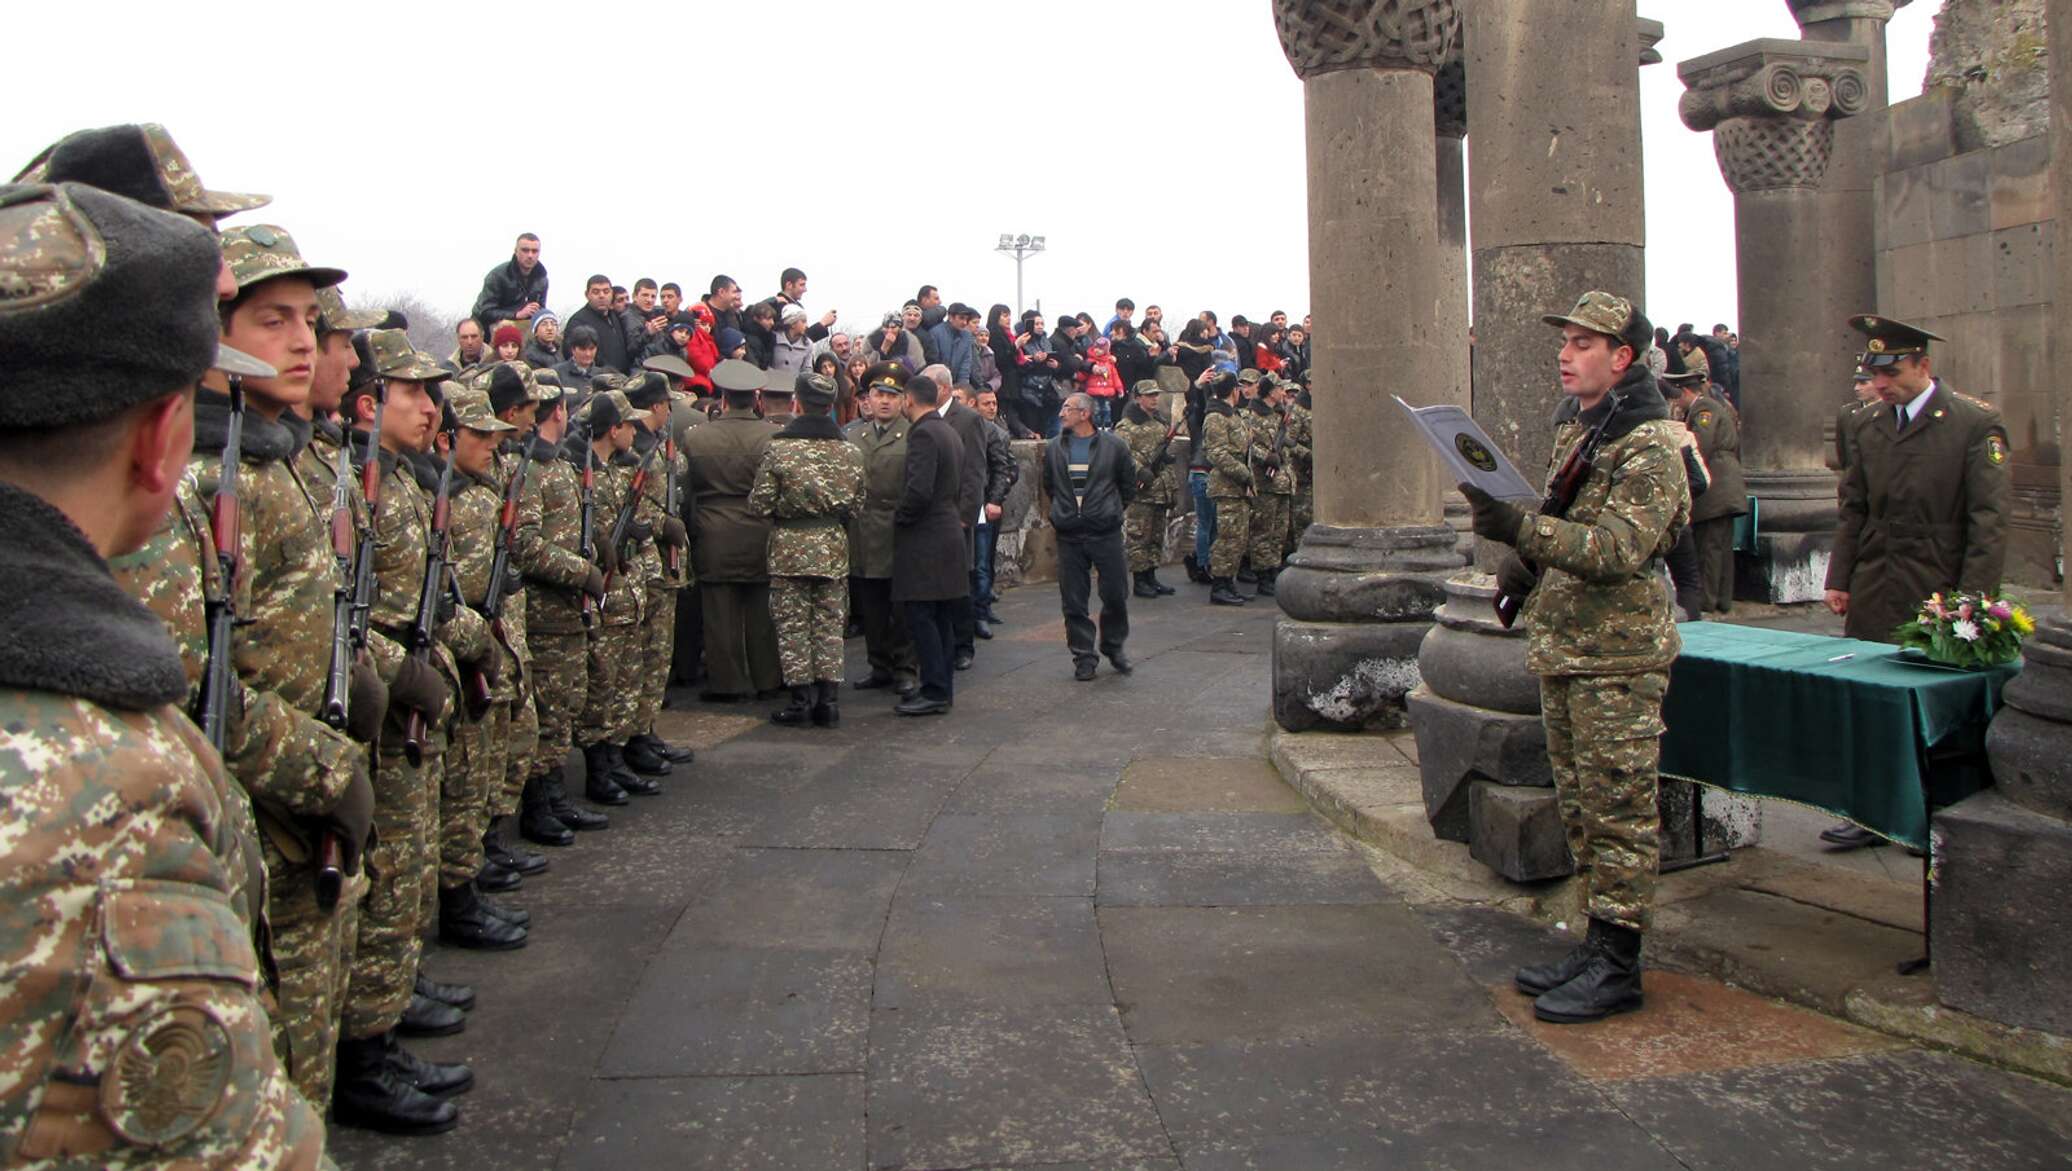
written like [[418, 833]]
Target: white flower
[[1965, 629]]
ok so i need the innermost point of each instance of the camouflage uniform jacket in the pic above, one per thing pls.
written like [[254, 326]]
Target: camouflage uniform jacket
[[1302, 441], [549, 533], [1268, 426], [478, 503], [1602, 606], [810, 483], [646, 553], [884, 475], [270, 747], [660, 506], [317, 466], [134, 1033], [401, 533], [1224, 440], [1145, 433], [623, 599]]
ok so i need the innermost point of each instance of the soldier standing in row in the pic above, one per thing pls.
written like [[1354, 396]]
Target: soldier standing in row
[[662, 558], [1923, 503], [1717, 430], [809, 484], [1302, 439], [614, 645], [730, 545], [1269, 456], [1225, 438], [1156, 450], [1601, 634], [880, 438], [1852, 413], [109, 322]]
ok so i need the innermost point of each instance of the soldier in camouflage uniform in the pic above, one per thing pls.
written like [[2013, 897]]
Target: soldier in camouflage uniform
[[809, 483], [1601, 634], [1272, 461], [1157, 450], [563, 588], [1302, 438], [399, 903], [134, 1026], [1225, 438], [664, 558], [479, 745], [612, 699]]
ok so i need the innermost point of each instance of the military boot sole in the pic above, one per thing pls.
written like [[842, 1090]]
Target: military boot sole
[[1625, 1004], [367, 1118]]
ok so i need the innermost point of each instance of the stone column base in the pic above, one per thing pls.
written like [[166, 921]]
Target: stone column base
[[2001, 927], [1786, 568]]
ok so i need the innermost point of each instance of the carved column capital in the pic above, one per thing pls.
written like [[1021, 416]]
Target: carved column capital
[[1808, 12], [1772, 105], [1651, 34], [1323, 36]]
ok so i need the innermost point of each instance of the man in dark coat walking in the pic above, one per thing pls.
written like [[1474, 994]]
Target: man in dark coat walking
[[970, 427], [1091, 480], [928, 545]]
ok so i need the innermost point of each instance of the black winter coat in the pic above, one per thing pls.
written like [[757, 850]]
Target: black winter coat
[[1111, 483], [927, 537], [619, 336], [505, 291]]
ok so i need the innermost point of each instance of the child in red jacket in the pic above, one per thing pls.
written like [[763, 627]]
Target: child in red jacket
[[1102, 382]]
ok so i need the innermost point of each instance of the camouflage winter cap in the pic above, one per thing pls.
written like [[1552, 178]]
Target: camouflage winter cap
[[104, 303], [1614, 316], [334, 317], [815, 390], [261, 252], [394, 357], [1248, 376], [1148, 386], [140, 161], [647, 390], [471, 409]]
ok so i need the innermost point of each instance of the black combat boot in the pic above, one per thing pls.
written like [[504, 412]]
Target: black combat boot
[[1225, 593], [599, 785], [798, 711], [425, 1017], [437, 1078], [497, 878], [515, 916], [494, 847], [624, 776], [1265, 588], [1143, 587], [1246, 574], [1195, 572], [827, 708], [459, 996], [1164, 590], [554, 790], [371, 1094], [536, 820], [1609, 982], [645, 760], [672, 753], [1539, 979], [464, 923]]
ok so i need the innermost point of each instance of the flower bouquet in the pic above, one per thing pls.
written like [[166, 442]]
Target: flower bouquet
[[1966, 630]]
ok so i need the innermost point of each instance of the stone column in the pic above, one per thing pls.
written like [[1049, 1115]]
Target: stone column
[[1450, 126], [1360, 590], [1772, 106], [2002, 927]]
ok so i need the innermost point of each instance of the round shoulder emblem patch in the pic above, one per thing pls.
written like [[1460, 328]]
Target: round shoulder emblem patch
[[169, 1078], [1473, 451], [1996, 449]]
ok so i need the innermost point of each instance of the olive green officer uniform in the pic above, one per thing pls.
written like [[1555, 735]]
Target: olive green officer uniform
[[886, 640], [1718, 433], [730, 543]]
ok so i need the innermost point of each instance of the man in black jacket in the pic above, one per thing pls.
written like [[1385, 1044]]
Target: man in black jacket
[[515, 289], [970, 427], [620, 335], [928, 577], [1091, 480]]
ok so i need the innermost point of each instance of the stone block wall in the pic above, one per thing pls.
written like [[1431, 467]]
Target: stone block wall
[[1965, 235]]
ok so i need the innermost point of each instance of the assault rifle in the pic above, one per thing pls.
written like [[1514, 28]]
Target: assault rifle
[[427, 620], [500, 573], [1562, 491], [622, 524], [669, 505], [344, 541], [370, 492], [586, 540], [1165, 452], [219, 604]]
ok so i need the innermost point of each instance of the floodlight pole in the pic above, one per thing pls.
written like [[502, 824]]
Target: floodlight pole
[[1021, 247]]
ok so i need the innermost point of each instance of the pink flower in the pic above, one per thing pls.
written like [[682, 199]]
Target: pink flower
[[1999, 610], [1964, 611]]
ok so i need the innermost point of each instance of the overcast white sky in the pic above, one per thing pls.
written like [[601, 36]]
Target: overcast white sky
[[1156, 143]]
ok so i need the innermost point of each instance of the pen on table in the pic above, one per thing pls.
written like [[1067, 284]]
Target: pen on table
[[1839, 658]]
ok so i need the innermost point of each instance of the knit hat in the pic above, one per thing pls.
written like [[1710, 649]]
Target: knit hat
[[542, 315], [507, 333], [730, 339]]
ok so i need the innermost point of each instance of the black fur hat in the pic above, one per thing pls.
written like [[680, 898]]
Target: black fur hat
[[104, 303], [507, 389]]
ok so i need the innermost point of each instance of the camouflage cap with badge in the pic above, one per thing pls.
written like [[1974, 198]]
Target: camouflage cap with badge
[[392, 356], [104, 304], [262, 252], [471, 409], [1611, 315], [1889, 340], [138, 160], [1248, 376], [1147, 386]]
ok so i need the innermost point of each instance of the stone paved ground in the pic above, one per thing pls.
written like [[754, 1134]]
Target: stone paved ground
[[1085, 926]]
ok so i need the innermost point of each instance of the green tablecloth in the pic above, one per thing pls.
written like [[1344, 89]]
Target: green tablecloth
[[1870, 738]]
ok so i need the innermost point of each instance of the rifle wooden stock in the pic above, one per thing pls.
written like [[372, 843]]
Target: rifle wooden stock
[[330, 870]]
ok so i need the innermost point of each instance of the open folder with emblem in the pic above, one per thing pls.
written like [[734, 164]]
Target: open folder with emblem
[[1468, 451]]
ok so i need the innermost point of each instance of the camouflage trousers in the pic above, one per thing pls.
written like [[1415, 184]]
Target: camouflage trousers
[[471, 781], [400, 865], [810, 614], [1304, 513], [313, 954], [1143, 535], [520, 745], [1603, 741], [1233, 535], [617, 654], [560, 689], [1269, 530], [658, 645]]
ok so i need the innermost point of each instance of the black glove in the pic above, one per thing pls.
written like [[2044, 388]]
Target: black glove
[[639, 531], [421, 688], [594, 584], [673, 534], [1514, 577], [513, 584], [608, 558], [1494, 519], [445, 610], [367, 700], [490, 667], [352, 818]]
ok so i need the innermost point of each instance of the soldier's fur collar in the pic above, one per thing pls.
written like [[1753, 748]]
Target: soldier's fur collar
[[89, 638], [362, 442], [263, 440], [1644, 404], [810, 427], [1217, 406], [1136, 414]]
